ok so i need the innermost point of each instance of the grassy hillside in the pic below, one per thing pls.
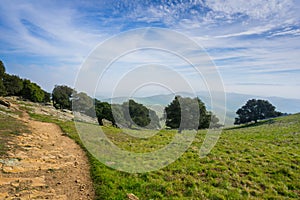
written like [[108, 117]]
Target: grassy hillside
[[254, 161]]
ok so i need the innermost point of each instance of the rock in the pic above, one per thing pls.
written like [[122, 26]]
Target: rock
[[5, 103], [82, 187], [106, 122], [67, 111], [84, 118], [59, 156], [12, 169], [38, 181], [7, 181], [15, 184], [132, 197], [9, 162]]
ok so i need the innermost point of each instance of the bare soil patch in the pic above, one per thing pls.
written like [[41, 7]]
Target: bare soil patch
[[45, 165]]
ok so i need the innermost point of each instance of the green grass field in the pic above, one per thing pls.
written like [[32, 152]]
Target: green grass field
[[249, 162]]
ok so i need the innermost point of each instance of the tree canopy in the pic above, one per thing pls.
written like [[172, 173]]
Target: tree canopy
[[61, 96], [187, 113], [2, 69], [173, 113], [13, 84], [255, 110], [135, 113], [33, 92], [47, 97], [2, 72], [104, 111], [130, 114]]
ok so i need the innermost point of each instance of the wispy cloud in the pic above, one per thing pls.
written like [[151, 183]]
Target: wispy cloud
[[43, 29], [250, 41], [255, 9], [253, 31]]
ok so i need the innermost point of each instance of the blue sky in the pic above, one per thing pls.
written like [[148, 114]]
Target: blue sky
[[254, 44]]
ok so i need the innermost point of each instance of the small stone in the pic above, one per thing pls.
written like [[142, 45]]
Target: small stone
[[82, 187], [132, 197], [106, 122], [52, 191], [15, 184]]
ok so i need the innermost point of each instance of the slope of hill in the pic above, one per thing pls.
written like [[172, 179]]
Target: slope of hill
[[257, 161]]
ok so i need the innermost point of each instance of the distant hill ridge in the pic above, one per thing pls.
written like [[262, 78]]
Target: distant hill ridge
[[233, 102]]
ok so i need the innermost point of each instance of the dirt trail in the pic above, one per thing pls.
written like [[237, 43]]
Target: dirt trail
[[46, 165]]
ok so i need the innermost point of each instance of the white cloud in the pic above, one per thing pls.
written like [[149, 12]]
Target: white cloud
[[48, 31], [295, 32], [252, 41], [253, 31], [256, 9]]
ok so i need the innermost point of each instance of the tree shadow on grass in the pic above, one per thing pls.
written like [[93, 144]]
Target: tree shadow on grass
[[252, 124]]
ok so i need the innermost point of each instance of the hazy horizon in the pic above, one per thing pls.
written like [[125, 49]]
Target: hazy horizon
[[107, 96]]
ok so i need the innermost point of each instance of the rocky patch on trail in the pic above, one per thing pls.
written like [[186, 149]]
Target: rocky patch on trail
[[44, 164], [47, 109]]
